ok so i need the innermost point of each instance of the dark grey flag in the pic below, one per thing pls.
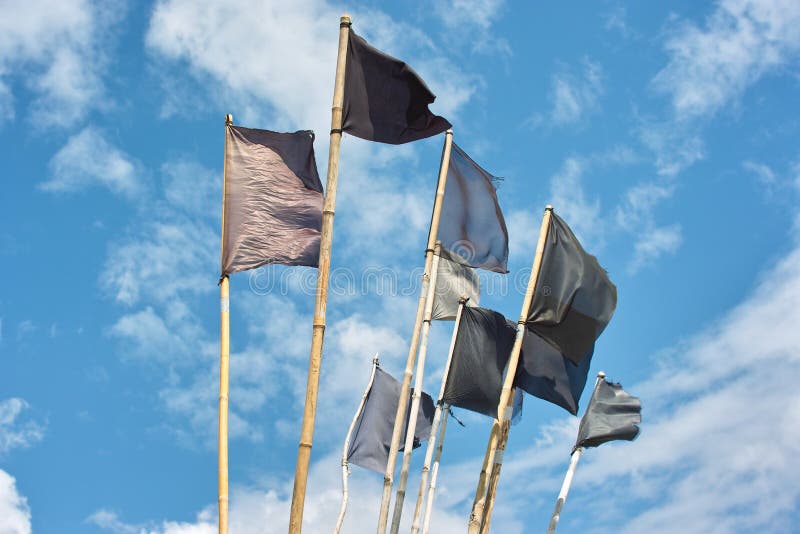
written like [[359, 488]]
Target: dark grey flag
[[483, 346], [384, 99], [612, 414], [472, 228], [454, 281], [273, 200], [545, 373], [372, 435], [574, 298]]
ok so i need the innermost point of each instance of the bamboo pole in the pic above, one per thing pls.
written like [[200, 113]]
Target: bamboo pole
[[402, 405], [346, 447], [435, 471], [483, 511], [320, 306], [476, 515], [417, 396], [224, 364], [440, 405], [573, 464]]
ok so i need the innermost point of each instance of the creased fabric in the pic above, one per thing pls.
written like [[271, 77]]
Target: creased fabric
[[453, 282], [472, 227], [546, 373], [372, 435], [612, 414], [273, 200], [574, 299], [384, 99]]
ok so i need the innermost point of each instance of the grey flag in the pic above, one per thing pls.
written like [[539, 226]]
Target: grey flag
[[574, 298], [273, 200], [546, 373], [384, 99], [472, 228], [454, 281], [612, 414], [372, 436]]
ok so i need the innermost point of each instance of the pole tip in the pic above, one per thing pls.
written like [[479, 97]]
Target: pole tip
[[228, 119], [601, 374], [548, 208], [449, 131], [345, 19], [375, 360]]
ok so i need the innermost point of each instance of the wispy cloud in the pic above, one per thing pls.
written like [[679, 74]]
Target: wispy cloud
[[89, 159], [15, 514], [15, 433], [471, 22], [573, 97]]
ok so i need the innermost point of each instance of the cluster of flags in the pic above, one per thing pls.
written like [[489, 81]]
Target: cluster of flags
[[275, 211]]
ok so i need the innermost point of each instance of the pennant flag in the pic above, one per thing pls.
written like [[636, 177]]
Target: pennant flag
[[545, 373], [483, 345], [369, 447], [612, 414], [384, 99], [454, 281], [472, 227], [574, 298], [272, 200]]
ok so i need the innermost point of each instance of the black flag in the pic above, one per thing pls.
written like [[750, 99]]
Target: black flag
[[372, 437], [612, 414], [545, 373], [472, 228], [483, 346], [384, 99], [574, 298]]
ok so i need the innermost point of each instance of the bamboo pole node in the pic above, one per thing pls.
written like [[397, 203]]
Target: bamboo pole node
[[601, 374]]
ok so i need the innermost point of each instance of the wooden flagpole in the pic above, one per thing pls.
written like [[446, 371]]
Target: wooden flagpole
[[224, 364], [346, 447], [440, 407], [435, 471], [417, 396], [320, 306], [402, 405], [482, 509], [573, 464]]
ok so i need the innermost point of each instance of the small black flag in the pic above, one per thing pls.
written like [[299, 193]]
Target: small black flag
[[372, 436], [574, 298], [612, 414], [384, 99]]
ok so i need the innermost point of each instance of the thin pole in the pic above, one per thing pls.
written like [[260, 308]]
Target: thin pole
[[320, 306], [224, 364], [573, 464], [346, 447], [426, 466], [476, 515], [417, 396], [435, 471], [402, 405], [505, 406]]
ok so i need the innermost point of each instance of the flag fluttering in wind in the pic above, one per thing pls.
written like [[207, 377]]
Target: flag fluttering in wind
[[454, 281], [546, 373], [472, 228], [273, 200], [612, 414], [369, 447], [574, 298], [384, 99]]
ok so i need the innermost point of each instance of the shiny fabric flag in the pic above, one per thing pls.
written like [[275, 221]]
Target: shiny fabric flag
[[372, 435], [272, 200], [472, 227], [384, 99], [454, 281], [574, 298], [612, 414]]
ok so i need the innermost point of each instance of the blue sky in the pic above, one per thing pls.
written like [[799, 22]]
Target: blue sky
[[665, 135]]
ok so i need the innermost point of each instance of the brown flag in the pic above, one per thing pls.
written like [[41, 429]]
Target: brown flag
[[272, 200]]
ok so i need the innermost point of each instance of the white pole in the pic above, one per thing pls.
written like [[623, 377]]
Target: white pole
[[346, 448], [423, 481], [415, 399], [435, 472], [573, 464]]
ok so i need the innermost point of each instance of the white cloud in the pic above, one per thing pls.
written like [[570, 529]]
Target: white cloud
[[471, 22], [59, 51], [676, 146], [88, 159], [15, 515], [13, 433], [741, 41], [653, 243], [110, 521], [573, 97], [570, 201]]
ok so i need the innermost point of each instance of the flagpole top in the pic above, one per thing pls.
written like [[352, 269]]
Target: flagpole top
[[228, 119], [601, 374], [449, 132], [548, 208], [375, 360], [345, 19]]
